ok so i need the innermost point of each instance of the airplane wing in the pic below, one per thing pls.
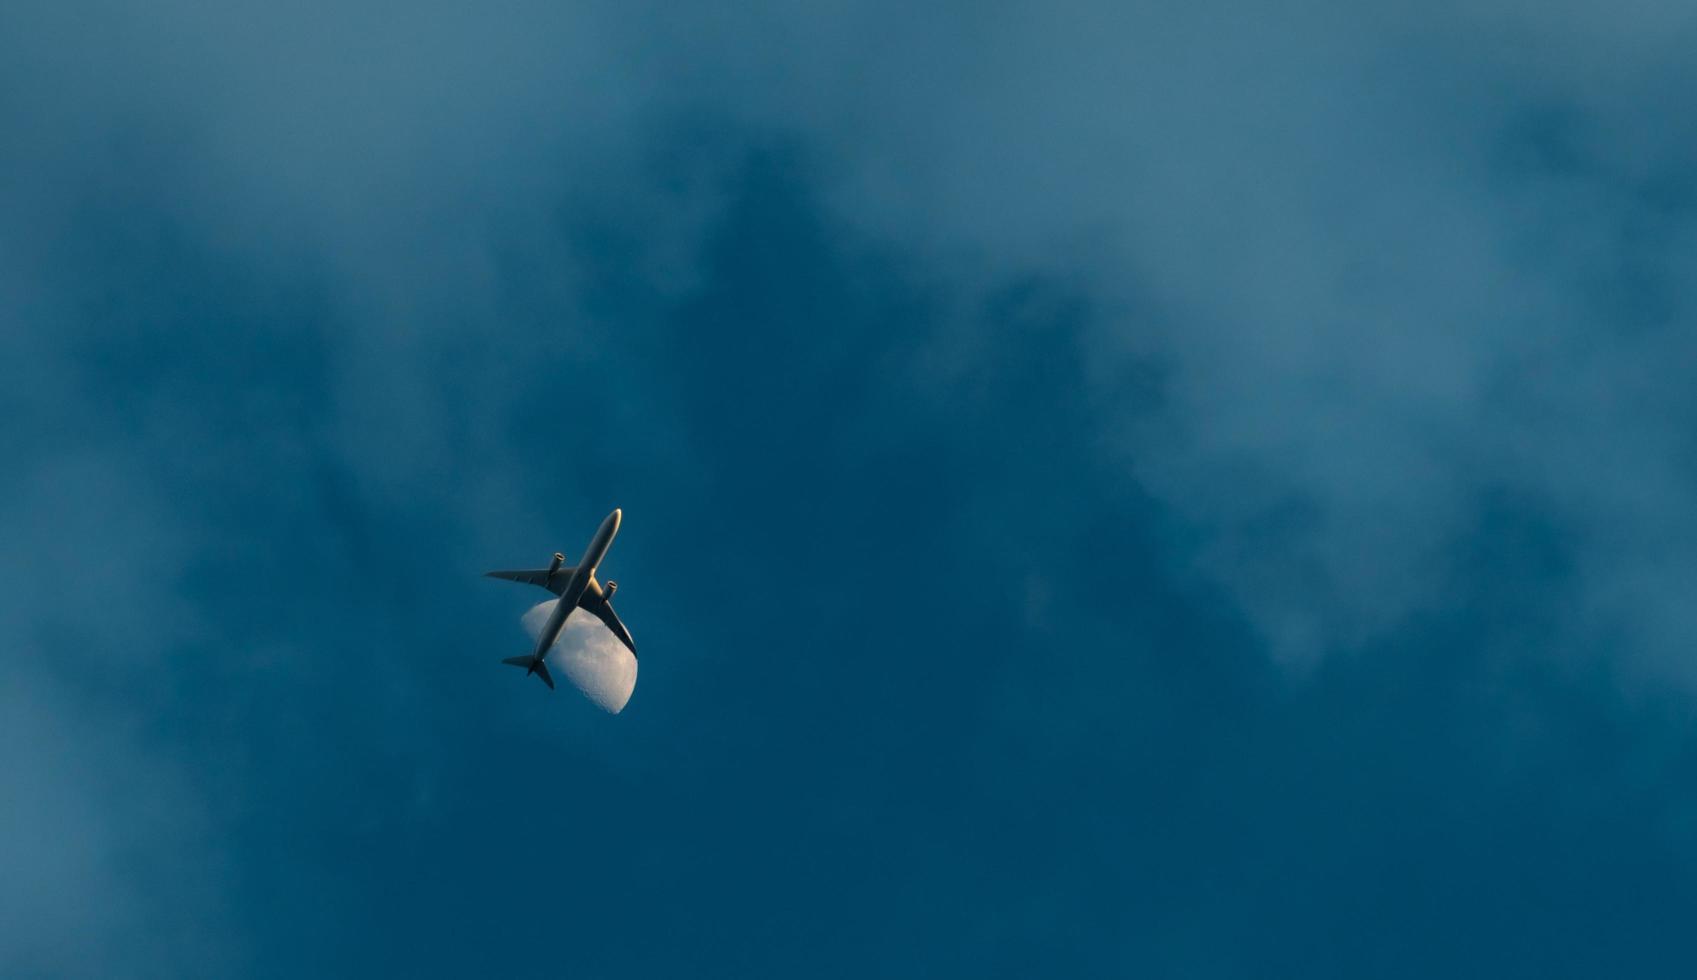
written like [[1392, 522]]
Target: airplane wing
[[596, 603], [537, 576]]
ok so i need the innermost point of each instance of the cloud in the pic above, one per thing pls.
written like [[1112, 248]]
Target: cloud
[[110, 866], [1387, 269], [1380, 270], [589, 654], [1385, 265], [112, 869]]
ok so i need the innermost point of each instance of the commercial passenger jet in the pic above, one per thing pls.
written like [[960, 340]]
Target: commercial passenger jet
[[577, 588]]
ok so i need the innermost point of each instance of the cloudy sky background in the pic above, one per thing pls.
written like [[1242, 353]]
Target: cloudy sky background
[[1109, 490]]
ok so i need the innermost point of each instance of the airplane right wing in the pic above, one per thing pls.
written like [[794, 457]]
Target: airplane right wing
[[537, 576]]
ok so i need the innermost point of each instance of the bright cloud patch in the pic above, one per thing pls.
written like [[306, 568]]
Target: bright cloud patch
[[589, 655]]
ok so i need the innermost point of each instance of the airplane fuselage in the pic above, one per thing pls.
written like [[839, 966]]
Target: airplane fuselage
[[577, 584]]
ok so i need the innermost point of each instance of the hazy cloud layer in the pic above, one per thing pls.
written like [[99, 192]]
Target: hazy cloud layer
[[1384, 263], [1021, 377]]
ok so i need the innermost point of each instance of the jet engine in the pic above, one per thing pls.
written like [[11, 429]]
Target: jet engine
[[609, 589], [554, 565]]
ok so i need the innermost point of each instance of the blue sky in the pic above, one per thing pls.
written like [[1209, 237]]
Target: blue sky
[[1109, 491]]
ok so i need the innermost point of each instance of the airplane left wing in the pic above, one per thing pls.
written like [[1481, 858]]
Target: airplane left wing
[[595, 601], [537, 576]]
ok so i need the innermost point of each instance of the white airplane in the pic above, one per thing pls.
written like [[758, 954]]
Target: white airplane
[[577, 588]]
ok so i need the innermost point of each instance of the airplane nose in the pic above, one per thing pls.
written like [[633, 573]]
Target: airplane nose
[[616, 516]]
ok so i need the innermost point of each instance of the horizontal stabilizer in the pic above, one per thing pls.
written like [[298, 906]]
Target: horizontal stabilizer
[[533, 665]]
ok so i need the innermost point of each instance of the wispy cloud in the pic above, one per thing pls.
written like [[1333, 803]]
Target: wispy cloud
[[1386, 270]]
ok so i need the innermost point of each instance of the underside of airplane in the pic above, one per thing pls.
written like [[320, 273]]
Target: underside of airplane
[[596, 599]]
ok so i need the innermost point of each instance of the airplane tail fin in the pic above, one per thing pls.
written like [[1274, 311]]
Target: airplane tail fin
[[533, 665]]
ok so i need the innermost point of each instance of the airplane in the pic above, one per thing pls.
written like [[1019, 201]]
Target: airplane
[[577, 588]]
